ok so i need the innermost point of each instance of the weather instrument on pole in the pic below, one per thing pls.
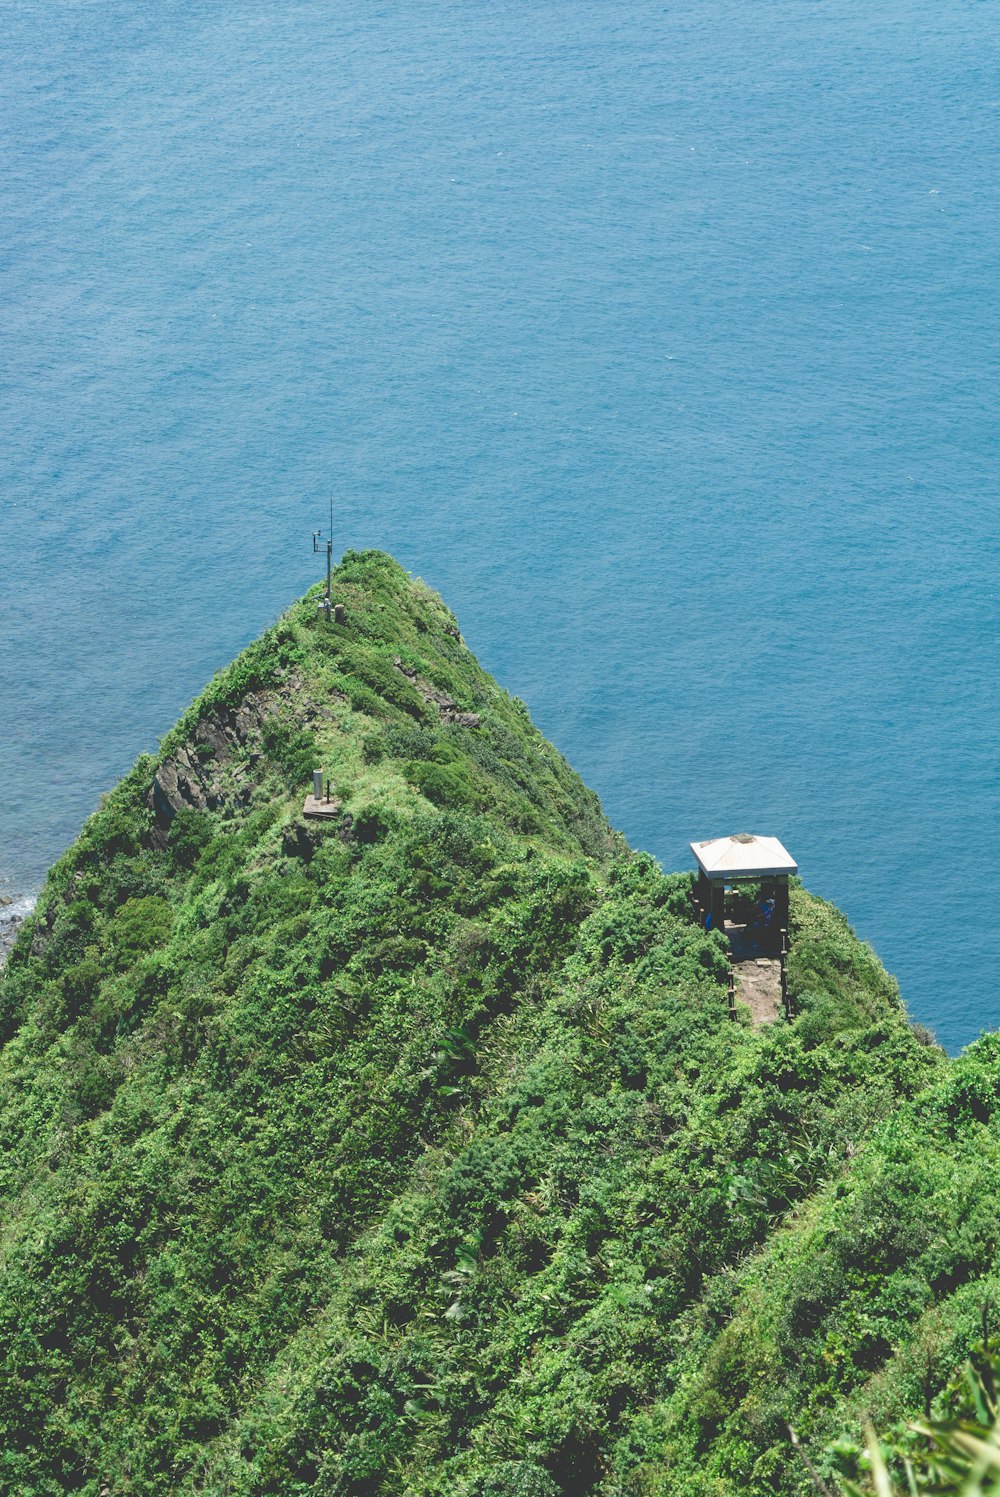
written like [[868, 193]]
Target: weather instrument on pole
[[325, 604]]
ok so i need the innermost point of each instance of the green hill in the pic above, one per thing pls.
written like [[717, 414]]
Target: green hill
[[413, 1151]]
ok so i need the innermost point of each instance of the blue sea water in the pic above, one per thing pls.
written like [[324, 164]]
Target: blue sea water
[[662, 339]]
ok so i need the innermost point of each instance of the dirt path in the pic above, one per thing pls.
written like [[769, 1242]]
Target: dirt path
[[757, 972]]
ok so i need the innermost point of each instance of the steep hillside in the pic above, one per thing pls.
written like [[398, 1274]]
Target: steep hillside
[[414, 1151]]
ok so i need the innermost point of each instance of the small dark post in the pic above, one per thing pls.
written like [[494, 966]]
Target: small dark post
[[732, 994], [786, 1002]]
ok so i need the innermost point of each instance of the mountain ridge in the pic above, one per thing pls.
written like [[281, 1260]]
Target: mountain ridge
[[415, 1151]]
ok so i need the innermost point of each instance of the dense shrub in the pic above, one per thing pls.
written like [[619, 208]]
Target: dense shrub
[[444, 784], [292, 748], [190, 833], [140, 925]]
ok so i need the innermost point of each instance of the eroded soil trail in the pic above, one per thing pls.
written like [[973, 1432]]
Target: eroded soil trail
[[757, 968]]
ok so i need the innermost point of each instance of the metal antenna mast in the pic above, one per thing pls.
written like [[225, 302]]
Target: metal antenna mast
[[325, 605]]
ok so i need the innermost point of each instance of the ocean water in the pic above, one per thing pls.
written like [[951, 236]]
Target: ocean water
[[662, 339]]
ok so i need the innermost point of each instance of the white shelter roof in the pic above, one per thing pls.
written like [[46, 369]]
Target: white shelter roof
[[743, 856]]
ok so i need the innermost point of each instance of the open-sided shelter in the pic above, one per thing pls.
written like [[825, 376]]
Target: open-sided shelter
[[743, 858]]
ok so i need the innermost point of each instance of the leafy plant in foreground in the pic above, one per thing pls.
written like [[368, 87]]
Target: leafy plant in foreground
[[956, 1456]]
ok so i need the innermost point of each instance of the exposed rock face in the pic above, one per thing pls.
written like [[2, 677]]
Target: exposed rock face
[[213, 768], [203, 774], [10, 923], [175, 786], [448, 711]]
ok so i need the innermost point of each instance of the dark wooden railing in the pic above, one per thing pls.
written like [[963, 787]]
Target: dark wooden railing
[[786, 1001]]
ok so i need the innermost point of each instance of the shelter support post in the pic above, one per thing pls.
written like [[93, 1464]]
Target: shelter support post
[[703, 894], [781, 903], [718, 904]]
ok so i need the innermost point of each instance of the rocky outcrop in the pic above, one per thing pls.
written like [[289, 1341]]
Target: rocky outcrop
[[448, 711], [192, 779], [11, 920], [205, 772], [214, 767]]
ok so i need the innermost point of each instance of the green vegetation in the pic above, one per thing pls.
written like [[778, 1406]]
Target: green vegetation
[[414, 1151]]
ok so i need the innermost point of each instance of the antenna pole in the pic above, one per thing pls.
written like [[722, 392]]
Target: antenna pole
[[326, 604]]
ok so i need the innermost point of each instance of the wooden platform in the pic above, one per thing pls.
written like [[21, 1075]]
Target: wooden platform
[[321, 809]]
